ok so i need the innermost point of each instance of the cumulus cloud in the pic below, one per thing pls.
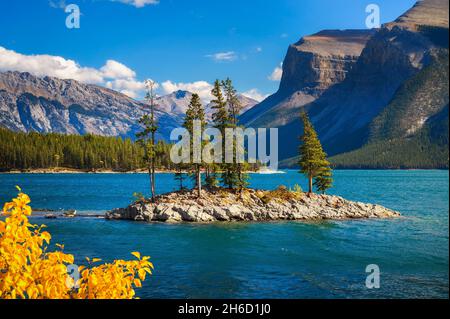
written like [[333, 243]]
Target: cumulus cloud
[[130, 87], [113, 74], [42, 65], [113, 69], [138, 3], [276, 73], [255, 94], [202, 88], [223, 56]]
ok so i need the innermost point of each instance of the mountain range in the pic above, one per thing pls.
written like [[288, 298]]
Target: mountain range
[[29, 103], [367, 89], [377, 98]]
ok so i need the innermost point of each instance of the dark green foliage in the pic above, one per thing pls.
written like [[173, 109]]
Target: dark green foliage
[[324, 180], [227, 109], [424, 93], [427, 149], [211, 180], [89, 152], [313, 162], [195, 112], [144, 137], [147, 136], [179, 176], [392, 144]]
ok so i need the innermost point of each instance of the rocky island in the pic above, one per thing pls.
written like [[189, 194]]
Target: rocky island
[[220, 205]]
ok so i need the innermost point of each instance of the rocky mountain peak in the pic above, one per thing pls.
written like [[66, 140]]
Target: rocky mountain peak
[[311, 66], [425, 12], [320, 60], [47, 104]]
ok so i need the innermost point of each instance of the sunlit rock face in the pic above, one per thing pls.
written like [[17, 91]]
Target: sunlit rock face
[[345, 79], [29, 103], [310, 67]]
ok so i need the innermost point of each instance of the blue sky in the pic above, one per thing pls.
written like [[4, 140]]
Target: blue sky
[[176, 42]]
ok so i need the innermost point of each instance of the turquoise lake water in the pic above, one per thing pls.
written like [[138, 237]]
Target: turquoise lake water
[[262, 260]]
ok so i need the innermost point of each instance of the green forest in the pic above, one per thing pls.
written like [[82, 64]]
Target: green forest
[[23, 151]]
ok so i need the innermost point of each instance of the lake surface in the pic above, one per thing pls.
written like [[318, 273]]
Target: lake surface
[[262, 260]]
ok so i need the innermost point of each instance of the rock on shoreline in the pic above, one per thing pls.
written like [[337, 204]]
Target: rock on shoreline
[[251, 205]]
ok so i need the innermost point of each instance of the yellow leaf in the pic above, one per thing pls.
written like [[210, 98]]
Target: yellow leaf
[[46, 236], [136, 254]]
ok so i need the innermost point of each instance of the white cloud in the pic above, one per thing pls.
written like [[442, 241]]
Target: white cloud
[[113, 74], [42, 65], [255, 94], [116, 70], [130, 87], [138, 3], [259, 49], [202, 88], [223, 56], [276, 73]]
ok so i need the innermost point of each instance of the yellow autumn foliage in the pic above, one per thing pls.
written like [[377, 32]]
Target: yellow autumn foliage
[[28, 270]]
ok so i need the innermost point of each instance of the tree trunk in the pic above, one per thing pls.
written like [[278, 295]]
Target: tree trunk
[[310, 184], [152, 163], [199, 181], [150, 177], [153, 182]]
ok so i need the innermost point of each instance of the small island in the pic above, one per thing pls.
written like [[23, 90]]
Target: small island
[[248, 205], [230, 199]]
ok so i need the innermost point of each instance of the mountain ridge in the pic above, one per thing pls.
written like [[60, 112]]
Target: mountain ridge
[[343, 112]]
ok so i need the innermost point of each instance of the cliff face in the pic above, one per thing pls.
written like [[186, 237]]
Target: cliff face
[[310, 67], [316, 62], [344, 110], [29, 103]]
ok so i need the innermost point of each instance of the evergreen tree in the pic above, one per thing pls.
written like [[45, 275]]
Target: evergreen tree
[[220, 116], [179, 175], [147, 136], [211, 176], [313, 162], [235, 176], [221, 119], [195, 112], [324, 180]]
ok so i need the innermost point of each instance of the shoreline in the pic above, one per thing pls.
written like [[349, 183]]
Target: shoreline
[[280, 171], [250, 205]]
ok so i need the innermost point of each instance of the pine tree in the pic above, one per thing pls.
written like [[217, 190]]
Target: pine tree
[[211, 176], [324, 180], [147, 136], [179, 175], [195, 112], [220, 116], [235, 175], [313, 162], [222, 120]]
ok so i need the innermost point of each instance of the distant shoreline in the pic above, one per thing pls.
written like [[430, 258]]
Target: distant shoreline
[[65, 170], [142, 171]]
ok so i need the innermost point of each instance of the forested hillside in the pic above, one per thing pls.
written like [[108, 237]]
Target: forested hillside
[[403, 135], [88, 152]]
